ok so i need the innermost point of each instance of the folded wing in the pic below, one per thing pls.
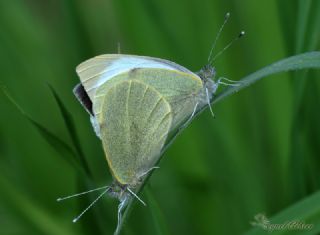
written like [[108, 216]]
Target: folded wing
[[135, 120]]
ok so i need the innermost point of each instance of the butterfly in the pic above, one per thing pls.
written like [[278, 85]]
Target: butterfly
[[134, 103]]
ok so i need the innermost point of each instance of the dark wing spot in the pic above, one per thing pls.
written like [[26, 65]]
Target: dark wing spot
[[83, 98]]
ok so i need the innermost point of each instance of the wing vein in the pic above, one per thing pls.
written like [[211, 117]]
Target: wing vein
[[128, 117]]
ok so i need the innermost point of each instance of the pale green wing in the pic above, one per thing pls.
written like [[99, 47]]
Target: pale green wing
[[135, 121], [96, 71], [178, 88]]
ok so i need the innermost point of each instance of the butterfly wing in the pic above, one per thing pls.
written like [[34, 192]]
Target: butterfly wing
[[178, 88], [96, 71], [178, 85], [134, 120]]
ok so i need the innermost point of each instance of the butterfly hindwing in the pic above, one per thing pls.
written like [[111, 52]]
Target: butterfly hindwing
[[134, 122]]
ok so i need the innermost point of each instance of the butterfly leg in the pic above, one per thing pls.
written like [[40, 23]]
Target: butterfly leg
[[190, 118], [147, 172], [141, 176], [227, 82], [136, 196], [208, 101]]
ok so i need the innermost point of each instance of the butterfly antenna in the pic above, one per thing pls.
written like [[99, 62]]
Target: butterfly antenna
[[241, 34], [226, 17], [94, 202], [79, 194], [136, 196]]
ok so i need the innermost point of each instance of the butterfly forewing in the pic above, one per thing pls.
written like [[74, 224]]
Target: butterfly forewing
[[95, 71]]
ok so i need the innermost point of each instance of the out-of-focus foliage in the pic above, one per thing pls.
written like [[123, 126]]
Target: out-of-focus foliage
[[260, 154]]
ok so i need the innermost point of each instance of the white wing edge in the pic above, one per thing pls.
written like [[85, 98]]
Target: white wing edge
[[117, 64]]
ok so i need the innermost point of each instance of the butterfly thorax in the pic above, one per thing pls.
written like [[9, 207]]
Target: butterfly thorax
[[207, 74]]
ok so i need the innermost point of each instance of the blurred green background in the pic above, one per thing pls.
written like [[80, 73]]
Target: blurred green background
[[260, 155]]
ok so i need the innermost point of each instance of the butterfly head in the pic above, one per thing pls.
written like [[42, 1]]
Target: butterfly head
[[207, 73]]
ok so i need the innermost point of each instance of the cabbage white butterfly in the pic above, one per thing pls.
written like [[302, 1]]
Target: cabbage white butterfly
[[134, 103]]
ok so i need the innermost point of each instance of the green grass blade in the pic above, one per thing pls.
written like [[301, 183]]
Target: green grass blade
[[55, 142], [306, 39], [307, 60], [95, 223], [68, 120], [306, 211]]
